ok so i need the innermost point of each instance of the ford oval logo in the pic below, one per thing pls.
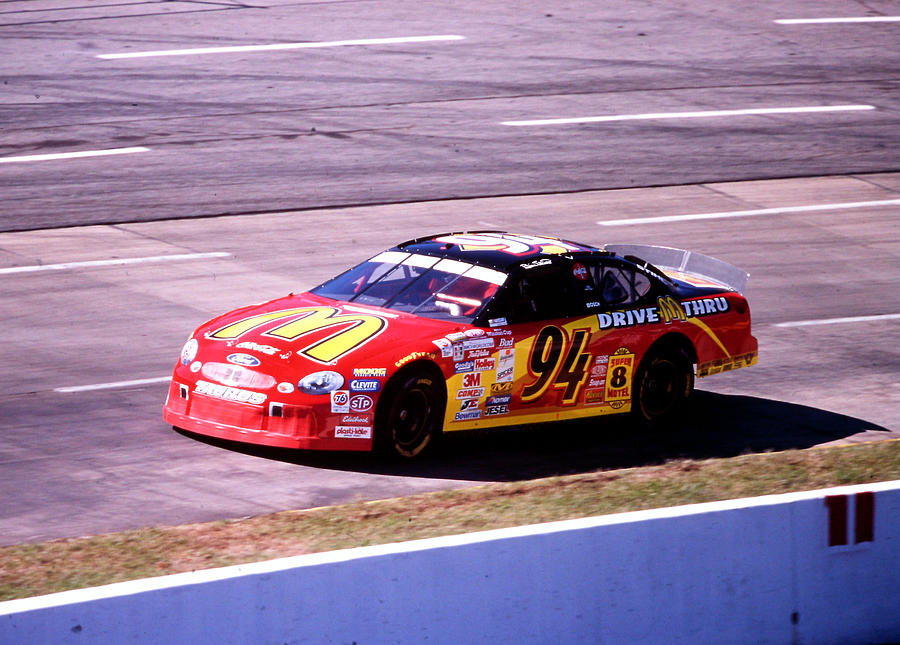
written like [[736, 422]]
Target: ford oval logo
[[243, 359]]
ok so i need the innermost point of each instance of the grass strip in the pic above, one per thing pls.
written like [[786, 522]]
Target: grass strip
[[59, 565]]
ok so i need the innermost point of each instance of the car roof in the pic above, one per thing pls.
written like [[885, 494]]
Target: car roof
[[496, 249]]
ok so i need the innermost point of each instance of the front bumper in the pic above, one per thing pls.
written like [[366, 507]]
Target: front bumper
[[272, 424]]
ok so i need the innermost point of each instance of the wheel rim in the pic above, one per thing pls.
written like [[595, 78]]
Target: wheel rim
[[411, 421], [659, 392]]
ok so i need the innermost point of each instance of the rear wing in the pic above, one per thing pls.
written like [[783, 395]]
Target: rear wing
[[678, 261]]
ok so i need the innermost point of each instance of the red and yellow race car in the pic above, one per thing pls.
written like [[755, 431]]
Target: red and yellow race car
[[461, 331]]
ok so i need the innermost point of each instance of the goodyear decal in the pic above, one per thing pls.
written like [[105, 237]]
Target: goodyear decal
[[352, 331], [667, 310]]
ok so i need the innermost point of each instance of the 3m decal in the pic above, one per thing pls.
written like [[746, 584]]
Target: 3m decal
[[560, 361], [471, 379], [354, 331]]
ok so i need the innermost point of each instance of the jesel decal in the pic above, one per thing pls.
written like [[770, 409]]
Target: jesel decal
[[667, 310]]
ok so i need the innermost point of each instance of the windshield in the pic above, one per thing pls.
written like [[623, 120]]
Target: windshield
[[419, 284]]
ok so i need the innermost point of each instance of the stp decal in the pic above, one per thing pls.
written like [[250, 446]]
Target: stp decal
[[352, 330]]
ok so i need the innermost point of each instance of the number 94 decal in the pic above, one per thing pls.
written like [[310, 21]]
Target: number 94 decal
[[560, 360]]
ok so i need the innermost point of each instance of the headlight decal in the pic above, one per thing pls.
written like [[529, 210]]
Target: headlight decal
[[320, 382]]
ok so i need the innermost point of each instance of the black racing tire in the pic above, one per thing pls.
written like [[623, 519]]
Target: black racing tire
[[410, 416], [662, 388]]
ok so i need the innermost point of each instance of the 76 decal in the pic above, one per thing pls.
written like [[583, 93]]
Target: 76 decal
[[558, 360]]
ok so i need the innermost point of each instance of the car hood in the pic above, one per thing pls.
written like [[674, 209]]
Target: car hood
[[306, 333]]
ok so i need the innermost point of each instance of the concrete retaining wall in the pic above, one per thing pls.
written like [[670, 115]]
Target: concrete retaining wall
[[815, 567]]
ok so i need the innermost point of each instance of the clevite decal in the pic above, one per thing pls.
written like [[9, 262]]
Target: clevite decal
[[667, 310]]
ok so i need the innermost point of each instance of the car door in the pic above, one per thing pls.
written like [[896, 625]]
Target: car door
[[568, 362]]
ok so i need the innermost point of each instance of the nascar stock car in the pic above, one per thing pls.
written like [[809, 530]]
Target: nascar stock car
[[462, 331]]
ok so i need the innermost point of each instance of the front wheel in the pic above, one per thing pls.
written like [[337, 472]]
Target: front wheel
[[664, 383], [411, 418]]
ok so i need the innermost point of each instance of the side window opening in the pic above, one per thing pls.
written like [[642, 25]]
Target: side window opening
[[616, 286], [541, 293]]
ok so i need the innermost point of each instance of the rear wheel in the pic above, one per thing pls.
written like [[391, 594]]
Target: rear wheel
[[409, 420], [664, 383]]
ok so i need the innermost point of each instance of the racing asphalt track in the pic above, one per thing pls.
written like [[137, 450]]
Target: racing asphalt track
[[415, 127]]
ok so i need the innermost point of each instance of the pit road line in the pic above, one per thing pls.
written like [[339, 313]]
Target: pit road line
[[283, 46], [691, 115], [74, 155], [823, 21], [111, 386], [116, 262], [838, 321], [750, 213]]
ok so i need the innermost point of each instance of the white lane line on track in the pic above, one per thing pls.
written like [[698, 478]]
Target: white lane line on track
[[74, 155], [116, 262], [284, 46], [838, 321], [750, 213], [691, 115], [110, 386], [824, 21]]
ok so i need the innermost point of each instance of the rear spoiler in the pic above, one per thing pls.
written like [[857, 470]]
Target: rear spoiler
[[687, 262]]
